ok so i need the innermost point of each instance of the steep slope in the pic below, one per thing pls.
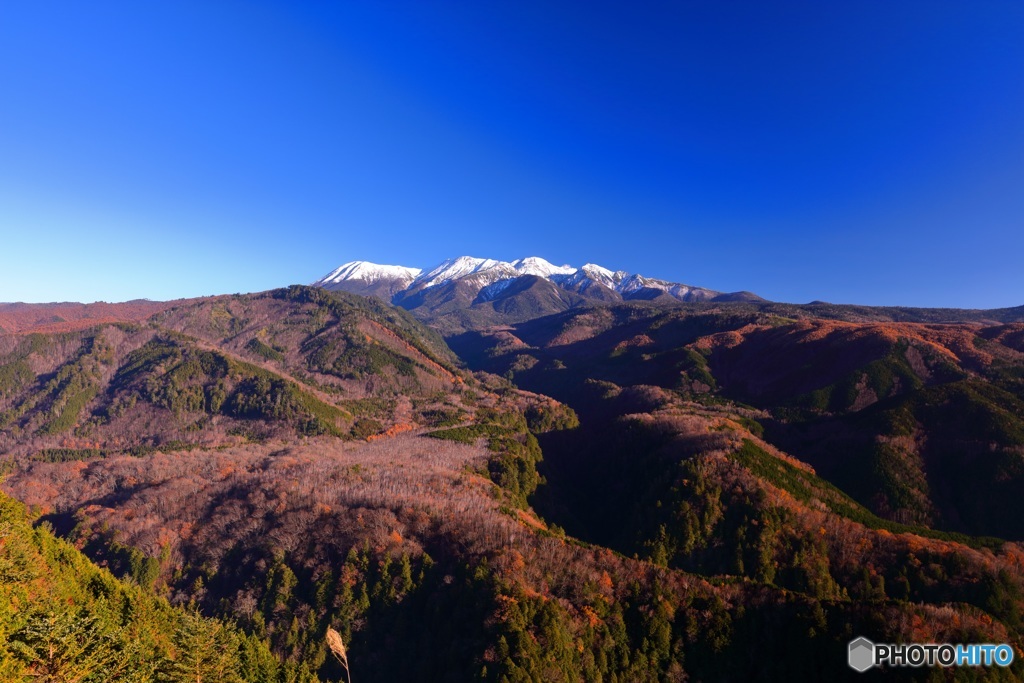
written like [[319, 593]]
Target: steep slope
[[455, 306], [920, 423], [923, 423], [665, 465], [64, 619]]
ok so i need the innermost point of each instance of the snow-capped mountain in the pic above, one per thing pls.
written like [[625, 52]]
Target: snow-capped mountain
[[467, 281], [534, 265], [484, 270], [591, 273], [369, 272], [488, 271], [370, 279]]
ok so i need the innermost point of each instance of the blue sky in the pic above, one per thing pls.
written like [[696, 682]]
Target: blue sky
[[862, 152]]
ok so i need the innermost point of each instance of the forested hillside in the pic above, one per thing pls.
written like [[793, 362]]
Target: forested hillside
[[64, 619], [921, 423], [622, 493]]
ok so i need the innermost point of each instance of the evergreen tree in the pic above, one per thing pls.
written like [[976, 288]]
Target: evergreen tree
[[205, 652]]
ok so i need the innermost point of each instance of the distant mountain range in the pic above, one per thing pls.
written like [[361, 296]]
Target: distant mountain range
[[530, 285]]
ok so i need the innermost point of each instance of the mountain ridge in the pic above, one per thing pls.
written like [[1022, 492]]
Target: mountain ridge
[[388, 281]]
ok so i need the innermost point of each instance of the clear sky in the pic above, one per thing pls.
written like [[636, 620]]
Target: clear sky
[[857, 151]]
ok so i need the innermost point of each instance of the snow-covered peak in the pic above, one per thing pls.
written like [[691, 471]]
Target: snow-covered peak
[[633, 283], [534, 265], [604, 276], [454, 269], [490, 277], [596, 271], [368, 272]]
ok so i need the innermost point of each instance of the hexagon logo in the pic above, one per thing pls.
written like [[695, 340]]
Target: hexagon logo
[[861, 654]]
